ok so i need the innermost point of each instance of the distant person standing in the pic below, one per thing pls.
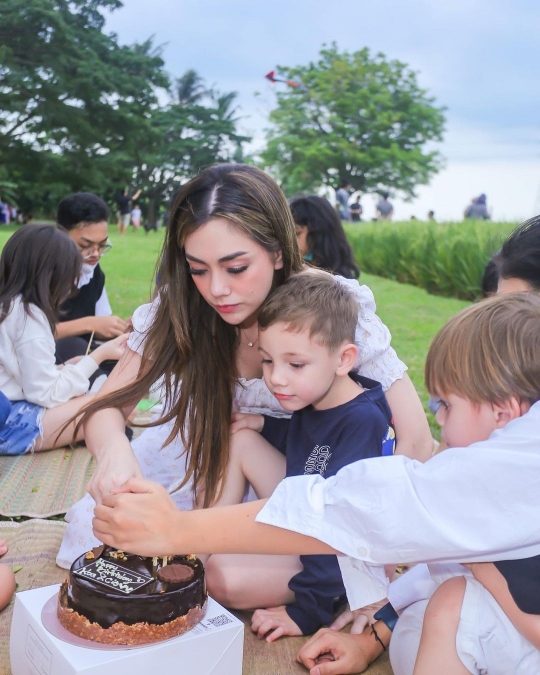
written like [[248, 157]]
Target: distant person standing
[[356, 211], [123, 202], [136, 214], [385, 210], [342, 197], [477, 209], [431, 216]]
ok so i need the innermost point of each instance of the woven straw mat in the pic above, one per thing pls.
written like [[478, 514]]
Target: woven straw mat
[[43, 484]]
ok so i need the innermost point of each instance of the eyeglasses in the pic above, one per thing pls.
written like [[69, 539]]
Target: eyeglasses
[[101, 249]]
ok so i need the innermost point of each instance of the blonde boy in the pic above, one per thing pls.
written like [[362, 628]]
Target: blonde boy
[[306, 342], [472, 504]]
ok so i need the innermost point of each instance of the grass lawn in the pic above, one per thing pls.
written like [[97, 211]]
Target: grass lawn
[[412, 315]]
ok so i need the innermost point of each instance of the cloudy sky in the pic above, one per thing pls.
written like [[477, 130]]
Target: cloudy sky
[[479, 58]]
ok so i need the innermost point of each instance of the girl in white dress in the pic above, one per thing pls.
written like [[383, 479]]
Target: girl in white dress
[[230, 240]]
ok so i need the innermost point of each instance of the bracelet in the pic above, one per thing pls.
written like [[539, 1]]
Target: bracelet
[[387, 615], [375, 635]]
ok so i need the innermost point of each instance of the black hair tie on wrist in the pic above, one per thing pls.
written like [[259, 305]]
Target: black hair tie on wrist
[[375, 635]]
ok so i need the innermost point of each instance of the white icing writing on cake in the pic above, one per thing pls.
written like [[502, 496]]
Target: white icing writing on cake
[[113, 576]]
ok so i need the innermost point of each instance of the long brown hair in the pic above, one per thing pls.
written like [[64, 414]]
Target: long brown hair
[[188, 343], [42, 265]]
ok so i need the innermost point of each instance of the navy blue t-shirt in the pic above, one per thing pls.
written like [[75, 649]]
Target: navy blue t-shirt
[[523, 579], [324, 441]]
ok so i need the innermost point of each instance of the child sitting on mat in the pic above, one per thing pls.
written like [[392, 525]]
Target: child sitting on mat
[[39, 268]]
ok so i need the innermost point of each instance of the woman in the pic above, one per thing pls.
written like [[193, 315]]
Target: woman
[[229, 241], [321, 236]]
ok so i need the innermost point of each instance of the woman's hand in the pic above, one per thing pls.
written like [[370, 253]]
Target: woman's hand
[[105, 432], [113, 469], [138, 518]]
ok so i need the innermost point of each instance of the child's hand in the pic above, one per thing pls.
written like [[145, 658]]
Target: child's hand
[[136, 517], [3, 547], [273, 619], [359, 618], [332, 653], [246, 421], [111, 350], [106, 327]]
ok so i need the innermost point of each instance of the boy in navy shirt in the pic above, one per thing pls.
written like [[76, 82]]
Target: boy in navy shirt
[[306, 340]]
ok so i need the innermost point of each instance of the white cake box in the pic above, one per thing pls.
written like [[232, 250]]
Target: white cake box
[[213, 647]]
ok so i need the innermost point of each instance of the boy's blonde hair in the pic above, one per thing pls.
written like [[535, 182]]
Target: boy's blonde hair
[[490, 352], [313, 301]]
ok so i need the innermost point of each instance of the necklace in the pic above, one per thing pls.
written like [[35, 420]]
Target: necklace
[[249, 342]]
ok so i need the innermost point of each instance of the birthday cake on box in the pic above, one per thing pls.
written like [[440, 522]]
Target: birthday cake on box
[[120, 598]]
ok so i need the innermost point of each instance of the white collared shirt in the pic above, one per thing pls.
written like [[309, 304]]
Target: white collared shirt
[[474, 504]]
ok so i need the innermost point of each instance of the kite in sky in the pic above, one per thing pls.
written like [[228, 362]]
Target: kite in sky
[[291, 83]]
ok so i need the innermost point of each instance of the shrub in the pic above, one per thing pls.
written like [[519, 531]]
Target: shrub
[[444, 258]]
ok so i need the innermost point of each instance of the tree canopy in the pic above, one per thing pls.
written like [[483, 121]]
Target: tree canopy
[[196, 128], [79, 111], [364, 119]]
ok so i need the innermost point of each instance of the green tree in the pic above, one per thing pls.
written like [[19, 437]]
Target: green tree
[[196, 128], [78, 111], [71, 97], [365, 119]]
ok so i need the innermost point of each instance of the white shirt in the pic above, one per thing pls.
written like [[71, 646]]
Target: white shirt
[[474, 504], [103, 306], [27, 361]]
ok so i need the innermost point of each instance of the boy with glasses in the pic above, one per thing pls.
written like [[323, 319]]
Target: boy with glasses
[[84, 216]]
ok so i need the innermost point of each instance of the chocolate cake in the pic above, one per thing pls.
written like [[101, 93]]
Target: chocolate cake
[[119, 598]]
